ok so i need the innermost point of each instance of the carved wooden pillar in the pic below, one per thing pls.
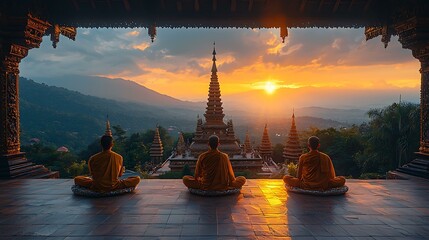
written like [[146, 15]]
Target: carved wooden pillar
[[11, 55], [17, 36], [413, 34]]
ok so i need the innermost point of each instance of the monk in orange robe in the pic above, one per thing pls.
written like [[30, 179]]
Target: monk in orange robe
[[214, 171], [315, 170], [105, 168]]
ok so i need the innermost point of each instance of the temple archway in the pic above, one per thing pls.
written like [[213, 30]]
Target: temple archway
[[24, 24]]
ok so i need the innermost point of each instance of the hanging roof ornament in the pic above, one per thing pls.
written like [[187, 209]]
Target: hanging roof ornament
[[152, 32]]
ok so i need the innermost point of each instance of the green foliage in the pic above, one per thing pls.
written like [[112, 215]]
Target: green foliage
[[372, 176], [342, 146], [391, 137], [77, 169], [277, 154], [171, 175], [292, 169], [186, 170], [55, 161]]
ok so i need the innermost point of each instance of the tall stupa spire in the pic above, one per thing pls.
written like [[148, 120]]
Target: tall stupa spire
[[214, 110], [108, 132], [214, 68], [265, 149], [156, 150], [292, 149]]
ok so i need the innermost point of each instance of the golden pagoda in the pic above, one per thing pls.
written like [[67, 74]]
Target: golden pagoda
[[156, 149], [214, 123], [292, 149], [265, 148]]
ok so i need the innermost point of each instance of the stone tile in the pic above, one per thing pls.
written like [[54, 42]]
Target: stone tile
[[164, 209]]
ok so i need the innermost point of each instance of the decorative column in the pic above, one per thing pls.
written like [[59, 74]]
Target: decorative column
[[413, 34], [17, 36]]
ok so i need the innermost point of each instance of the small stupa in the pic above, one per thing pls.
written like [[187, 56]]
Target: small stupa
[[108, 132], [265, 149], [247, 144], [292, 149], [156, 150], [181, 145]]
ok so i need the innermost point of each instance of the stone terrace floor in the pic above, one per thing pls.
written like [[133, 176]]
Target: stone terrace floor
[[164, 209]]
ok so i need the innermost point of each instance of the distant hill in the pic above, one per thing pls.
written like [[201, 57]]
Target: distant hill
[[63, 117], [118, 89]]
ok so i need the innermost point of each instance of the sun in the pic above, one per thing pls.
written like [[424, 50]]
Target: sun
[[270, 87]]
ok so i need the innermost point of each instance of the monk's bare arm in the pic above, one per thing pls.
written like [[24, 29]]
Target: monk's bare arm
[[89, 166], [197, 173], [299, 171], [332, 169], [122, 168], [230, 170]]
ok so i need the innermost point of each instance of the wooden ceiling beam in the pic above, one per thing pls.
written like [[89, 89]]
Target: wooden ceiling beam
[[337, 4], [127, 5], [302, 7], [368, 3], [197, 5], [179, 6], [214, 5], [233, 5], [249, 8], [75, 4], [93, 4], [351, 5], [321, 5]]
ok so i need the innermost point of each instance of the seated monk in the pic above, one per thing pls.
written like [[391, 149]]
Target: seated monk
[[315, 170], [214, 171], [105, 168]]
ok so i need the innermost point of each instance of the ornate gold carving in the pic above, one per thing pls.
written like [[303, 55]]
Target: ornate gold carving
[[34, 31], [372, 32]]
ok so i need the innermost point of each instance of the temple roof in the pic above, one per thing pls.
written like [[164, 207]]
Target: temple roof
[[265, 148], [156, 149], [292, 149], [216, 13]]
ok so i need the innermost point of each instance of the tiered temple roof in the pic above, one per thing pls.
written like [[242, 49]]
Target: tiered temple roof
[[214, 123], [265, 149], [292, 149], [156, 149]]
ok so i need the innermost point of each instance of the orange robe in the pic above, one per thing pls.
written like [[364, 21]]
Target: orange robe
[[105, 168], [315, 172], [214, 172]]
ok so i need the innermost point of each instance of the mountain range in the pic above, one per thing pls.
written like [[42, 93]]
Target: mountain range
[[73, 112]]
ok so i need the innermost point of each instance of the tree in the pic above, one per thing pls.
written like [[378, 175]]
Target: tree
[[391, 137]]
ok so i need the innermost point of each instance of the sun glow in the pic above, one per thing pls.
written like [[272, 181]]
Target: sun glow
[[270, 87]]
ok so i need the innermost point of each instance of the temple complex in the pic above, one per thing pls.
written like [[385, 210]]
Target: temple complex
[[292, 149], [265, 149], [23, 25], [156, 150], [214, 124]]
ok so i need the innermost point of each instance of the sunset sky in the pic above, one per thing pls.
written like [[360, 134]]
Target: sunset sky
[[178, 62]]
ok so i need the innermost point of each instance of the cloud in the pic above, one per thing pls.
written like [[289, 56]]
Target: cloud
[[183, 56]]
